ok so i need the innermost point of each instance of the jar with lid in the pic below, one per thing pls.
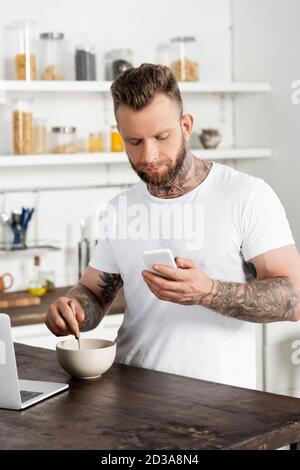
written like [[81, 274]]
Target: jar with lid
[[184, 53], [64, 139], [85, 59], [20, 61], [22, 127], [116, 62], [96, 142], [52, 53], [117, 143], [39, 136]]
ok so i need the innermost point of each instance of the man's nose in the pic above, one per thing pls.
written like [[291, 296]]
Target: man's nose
[[149, 153]]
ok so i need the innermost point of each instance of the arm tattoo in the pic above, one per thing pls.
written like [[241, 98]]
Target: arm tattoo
[[263, 301], [95, 306]]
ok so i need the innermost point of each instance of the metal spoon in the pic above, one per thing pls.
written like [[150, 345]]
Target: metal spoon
[[77, 336]]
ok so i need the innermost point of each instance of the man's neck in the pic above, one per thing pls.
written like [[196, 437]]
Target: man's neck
[[190, 175]]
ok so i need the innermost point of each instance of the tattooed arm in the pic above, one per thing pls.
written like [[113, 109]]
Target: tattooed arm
[[274, 296], [95, 293], [269, 300], [92, 297]]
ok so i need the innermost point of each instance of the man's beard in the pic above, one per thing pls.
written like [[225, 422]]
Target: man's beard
[[162, 179]]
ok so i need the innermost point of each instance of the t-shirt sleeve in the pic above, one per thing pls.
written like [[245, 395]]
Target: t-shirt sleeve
[[264, 222], [103, 259]]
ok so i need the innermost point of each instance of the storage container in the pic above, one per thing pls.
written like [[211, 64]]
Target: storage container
[[64, 140], [52, 55], [116, 62], [22, 127]]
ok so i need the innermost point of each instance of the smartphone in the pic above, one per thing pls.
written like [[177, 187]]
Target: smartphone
[[163, 256]]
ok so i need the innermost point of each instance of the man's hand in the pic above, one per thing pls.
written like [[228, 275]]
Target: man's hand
[[276, 298], [186, 285], [62, 320]]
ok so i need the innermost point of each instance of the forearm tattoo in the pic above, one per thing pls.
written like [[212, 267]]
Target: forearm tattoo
[[263, 301], [95, 306]]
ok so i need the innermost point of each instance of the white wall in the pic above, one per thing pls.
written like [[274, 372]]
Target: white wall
[[140, 26], [267, 47]]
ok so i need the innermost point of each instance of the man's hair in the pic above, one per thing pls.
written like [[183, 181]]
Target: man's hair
[[137, 87]]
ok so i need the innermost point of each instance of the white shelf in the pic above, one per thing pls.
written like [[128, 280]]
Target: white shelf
[[104, 87], [225, 87], [63, 159], [105, 158], [41, 247], [234, 153]]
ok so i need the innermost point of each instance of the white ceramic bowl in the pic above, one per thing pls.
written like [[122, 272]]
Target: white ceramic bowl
[[94, 357]]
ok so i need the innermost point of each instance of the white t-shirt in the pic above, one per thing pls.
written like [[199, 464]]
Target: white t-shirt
[[236, 217]]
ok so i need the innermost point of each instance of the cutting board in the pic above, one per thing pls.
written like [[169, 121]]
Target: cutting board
[[19, 299]]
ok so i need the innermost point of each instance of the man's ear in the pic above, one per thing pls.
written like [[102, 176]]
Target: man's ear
[[187, 123]]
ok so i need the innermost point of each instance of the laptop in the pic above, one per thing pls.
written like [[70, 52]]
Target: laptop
[[18, 394]]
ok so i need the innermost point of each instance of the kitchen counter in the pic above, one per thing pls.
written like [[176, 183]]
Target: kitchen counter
[[36, 314], [135, 408]]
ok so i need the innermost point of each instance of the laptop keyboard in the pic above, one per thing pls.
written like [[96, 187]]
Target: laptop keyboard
[[26, 395]]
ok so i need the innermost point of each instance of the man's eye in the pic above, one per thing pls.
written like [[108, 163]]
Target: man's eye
[[134, 142], [162, 137]]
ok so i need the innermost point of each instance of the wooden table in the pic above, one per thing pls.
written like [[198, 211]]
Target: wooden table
[[135, 408]]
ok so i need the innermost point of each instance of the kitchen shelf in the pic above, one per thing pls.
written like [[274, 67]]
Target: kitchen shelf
[[233, 153], [104, 86], [32, 248], [63, 159], [107, 157]]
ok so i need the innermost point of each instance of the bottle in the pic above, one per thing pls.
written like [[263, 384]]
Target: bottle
[[83, 250], [116, 141], [36, 284]]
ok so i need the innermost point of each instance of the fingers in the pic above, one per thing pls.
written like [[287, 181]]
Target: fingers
[[55, 323], [173, 273], [162, 294], [159, 282], [184, 263], [62, 318], [79, 313], [73, 323], [69, 317]]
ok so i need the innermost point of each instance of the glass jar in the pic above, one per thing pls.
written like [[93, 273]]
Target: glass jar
[[52, 52], [39, 136], [116, 141], [22, 127], [64, 139], [96, 142], [20, 51], [184, 58], [116, 62], [85, 60]]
